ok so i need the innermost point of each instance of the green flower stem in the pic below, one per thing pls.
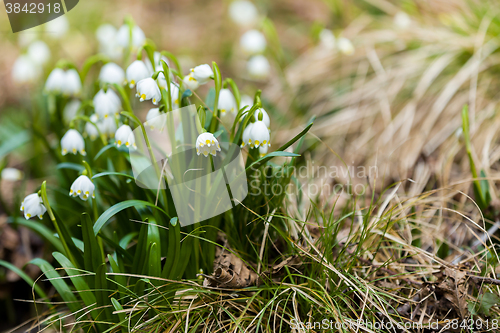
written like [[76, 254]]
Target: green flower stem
[[218, 85], [94, 207], [46, 203], [93, 60]]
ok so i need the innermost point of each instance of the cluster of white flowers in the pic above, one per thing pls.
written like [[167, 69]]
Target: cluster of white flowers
[[113, 41], [66, 82], [198, 75], [253, 42], [328, 41]]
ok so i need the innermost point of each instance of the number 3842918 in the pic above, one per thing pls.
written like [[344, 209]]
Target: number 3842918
[[32, 8]]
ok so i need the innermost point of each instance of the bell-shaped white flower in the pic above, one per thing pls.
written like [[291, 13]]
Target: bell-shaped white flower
[[202, 73], [253, 42], [70, 110], [32, 205], [56, 81], [91, 129], [402, 20], [265, 117], [174, 93], [11, 174], [106, 103], [73, 84], [82, 187], [246, 139], [227, 103], [327, 39], [136, 72], [155, 119], [259, 135], [246, 101], [57, 28], [39, 52], [258, 67], [147, 89], [124, 135], [107, 126], [190, 82], [123, 36], [106, 33], [25, 70], [112, 73], [263, 150], [72, 142], [243, 13], [206, 143], [345, 46]]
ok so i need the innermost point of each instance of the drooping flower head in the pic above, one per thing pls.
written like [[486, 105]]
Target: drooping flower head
[[106, 103], [107, 126], [206, 143], [112, 73], [258, 67], [155, 120], [263, 150], [190, 82], [32, 205], [243, 12], [72, 83], [91, 129], [265, 117], [25, 70], [72, 142], [70, 110], [82, 187], [147, 89], [253, 42], [39, 52], [136, 72], [124, 135], [246, 140], [227, 103], [123, 36], [202, 73], [345, 46], [56, 81], [259, 135]]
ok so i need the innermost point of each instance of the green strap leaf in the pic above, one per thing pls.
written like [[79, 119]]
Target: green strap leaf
[[113, 210], [24, 276], [42, 231]]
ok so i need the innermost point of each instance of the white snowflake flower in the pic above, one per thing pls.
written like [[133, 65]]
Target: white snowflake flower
[[106, 33], [57, 28], [243, 13], [202, 73], [112, 73], [32, 205], [147, 89], [206, 143], [124, 135], [402, 20], [190, 82], [39, 52], [227, 103], [107, 126], [73, 84], [258, 67], [82, 187], [72, 142], [56, 81], [253, 42], [174, 93], [91, 129], [246, 140], [70, 110], [345, 46], [106, 103], [155, 119], [259, 135], [11, 174], [123, 36], [327, 39], [246, 101], [25, 70], [136, 72]]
